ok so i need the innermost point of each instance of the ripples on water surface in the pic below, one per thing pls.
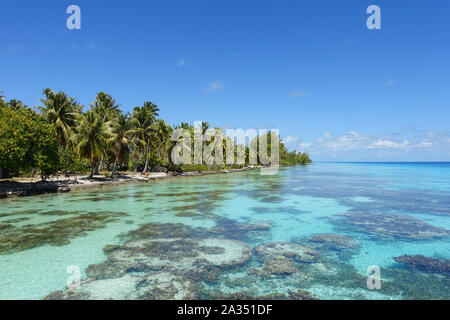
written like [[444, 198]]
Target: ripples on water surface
[[240, 235]]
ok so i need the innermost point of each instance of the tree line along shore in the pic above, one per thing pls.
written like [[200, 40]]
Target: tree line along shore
[[63, 137]]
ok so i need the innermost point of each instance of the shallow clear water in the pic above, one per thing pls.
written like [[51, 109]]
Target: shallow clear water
[[37, 244]]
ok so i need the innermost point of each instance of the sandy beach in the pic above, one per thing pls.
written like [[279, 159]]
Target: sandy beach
[[23, 187]]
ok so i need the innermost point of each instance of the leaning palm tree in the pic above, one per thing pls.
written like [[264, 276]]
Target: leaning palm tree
[[91, 137], [60, 111]]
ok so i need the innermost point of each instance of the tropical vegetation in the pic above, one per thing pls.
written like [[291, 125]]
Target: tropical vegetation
[[60, 136]]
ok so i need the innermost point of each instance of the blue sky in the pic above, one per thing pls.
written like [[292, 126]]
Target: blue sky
[[310, 68]]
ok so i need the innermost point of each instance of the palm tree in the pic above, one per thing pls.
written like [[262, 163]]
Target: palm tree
[[15, 104], [143, 119], [122, 136], [105, 106], [2, 99], [161, 131], [60, 111], [205, 127], [107, 109], [91, 137]]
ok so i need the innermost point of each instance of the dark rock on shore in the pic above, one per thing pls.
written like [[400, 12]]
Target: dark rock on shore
[[22, 189]]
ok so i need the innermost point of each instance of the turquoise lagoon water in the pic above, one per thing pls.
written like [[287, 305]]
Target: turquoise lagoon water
[[298, 203]]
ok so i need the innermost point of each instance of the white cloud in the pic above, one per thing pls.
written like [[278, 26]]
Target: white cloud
[[379, 146], [298, 93], [405, 145], [290, 139], [181, 62], [305, 146], [388, 144], [425, 144], [215, 86], [350, 141]]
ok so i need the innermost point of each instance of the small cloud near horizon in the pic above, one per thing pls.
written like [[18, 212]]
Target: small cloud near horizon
[[406, 145], [215, 86]]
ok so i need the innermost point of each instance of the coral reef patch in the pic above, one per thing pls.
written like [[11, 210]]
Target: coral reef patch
[[154, 286], [427, 264], [59, 232], [342, 246], [295, 251], [388, 226]]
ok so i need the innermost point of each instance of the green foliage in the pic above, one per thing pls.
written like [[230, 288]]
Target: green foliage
[[60, 111], [28, 142], [294, 158], [194, 167], [91, 137], [71, 162], [63, 137]]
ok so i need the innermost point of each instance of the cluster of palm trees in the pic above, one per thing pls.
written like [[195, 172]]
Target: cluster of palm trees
[[106, 136]]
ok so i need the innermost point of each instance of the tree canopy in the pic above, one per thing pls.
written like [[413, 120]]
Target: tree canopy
[[63, 137]]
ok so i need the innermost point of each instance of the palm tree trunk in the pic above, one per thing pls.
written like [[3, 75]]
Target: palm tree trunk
[[92, 171], [147, 157], [113, 172], [99, 166]]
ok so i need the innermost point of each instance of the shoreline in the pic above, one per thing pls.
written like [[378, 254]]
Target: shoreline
[[17, 189]]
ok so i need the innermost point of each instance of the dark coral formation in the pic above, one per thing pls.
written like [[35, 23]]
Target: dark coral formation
[[278, 210], [174, 255], [59, 232], [281, 258], [388, 226], [174, 251], [224, 228], [412, 285], [427, 264], [295, 251], [344, 247], [278, 265], [291, 295]]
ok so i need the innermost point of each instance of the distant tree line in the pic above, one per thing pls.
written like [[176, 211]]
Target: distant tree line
[[60, 136]]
